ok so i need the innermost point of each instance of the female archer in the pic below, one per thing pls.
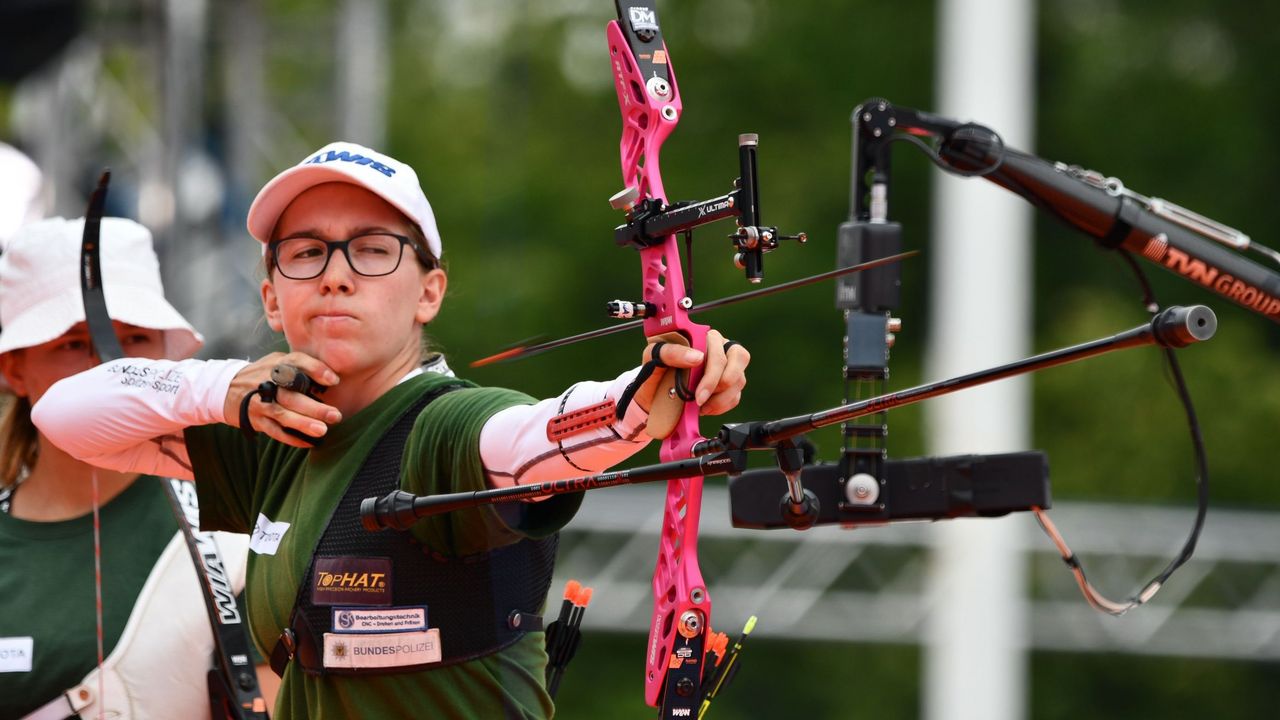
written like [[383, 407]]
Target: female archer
[[373, 624], [153, 632]]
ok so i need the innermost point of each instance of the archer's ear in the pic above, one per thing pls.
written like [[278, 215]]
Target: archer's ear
[[434, 283], [11, 367], [271, 306]]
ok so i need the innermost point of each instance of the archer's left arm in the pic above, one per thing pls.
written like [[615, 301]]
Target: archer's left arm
[[581, 431]]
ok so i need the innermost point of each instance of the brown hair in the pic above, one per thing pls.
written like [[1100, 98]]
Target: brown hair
[[425, 344], [420, 240], [19, 440]]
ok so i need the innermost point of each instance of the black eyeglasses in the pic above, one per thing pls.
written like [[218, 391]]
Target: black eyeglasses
[[371, 255]]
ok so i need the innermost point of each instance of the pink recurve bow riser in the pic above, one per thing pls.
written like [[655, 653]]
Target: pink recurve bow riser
[[650, 109]]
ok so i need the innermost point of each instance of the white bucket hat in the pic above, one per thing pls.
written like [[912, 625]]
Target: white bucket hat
[[40, 297], [20, 201], [380, 174]]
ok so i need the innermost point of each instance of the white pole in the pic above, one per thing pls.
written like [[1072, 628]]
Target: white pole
[[364, 69], [977, 635]]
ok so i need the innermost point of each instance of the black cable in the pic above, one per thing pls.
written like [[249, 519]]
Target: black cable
[[1091, 594], [1095, 598], [1193, 425]]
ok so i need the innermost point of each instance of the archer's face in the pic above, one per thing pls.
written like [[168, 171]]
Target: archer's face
[[349, 321], [32, 371]]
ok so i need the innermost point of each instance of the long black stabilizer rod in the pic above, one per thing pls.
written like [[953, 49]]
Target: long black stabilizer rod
[[725, 454], [400, 510], [1174, 327]]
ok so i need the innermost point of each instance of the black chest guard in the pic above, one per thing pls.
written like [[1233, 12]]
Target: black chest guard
[[469, 599]]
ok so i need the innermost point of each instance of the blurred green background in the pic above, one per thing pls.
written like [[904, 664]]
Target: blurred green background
[[507, 111]]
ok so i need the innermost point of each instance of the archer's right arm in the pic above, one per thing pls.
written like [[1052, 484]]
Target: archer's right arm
[[128, 415]]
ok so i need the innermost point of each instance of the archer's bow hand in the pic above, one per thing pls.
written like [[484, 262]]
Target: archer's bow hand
[[723, 377]]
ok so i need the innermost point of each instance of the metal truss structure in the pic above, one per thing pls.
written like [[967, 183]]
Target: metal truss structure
[[868, 584]]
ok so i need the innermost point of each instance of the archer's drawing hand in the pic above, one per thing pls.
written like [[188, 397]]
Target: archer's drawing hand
[[291, 410], [723, 378]]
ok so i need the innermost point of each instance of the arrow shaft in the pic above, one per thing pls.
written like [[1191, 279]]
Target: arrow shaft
[[528, 351]]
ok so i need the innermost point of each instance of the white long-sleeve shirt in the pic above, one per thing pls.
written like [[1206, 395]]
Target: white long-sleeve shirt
[[128, 415]]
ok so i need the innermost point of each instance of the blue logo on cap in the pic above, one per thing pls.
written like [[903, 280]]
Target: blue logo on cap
[[345, 156]]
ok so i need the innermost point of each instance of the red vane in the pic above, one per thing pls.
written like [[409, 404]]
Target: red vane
[[497, 357]]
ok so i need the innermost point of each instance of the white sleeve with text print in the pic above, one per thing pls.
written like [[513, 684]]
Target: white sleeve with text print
[[128, 414], [515, 447]]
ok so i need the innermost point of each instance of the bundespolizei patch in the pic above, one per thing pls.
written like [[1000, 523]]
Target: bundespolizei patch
[[384, 650], [379, 620], [345, 580]]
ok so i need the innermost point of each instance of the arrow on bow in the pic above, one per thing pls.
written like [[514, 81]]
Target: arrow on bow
[[525, 351]]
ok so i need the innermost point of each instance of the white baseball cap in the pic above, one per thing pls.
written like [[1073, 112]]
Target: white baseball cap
[[40, 297], [380, 174]]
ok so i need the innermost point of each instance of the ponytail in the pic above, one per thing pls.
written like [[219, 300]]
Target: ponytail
[[19, 440]]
